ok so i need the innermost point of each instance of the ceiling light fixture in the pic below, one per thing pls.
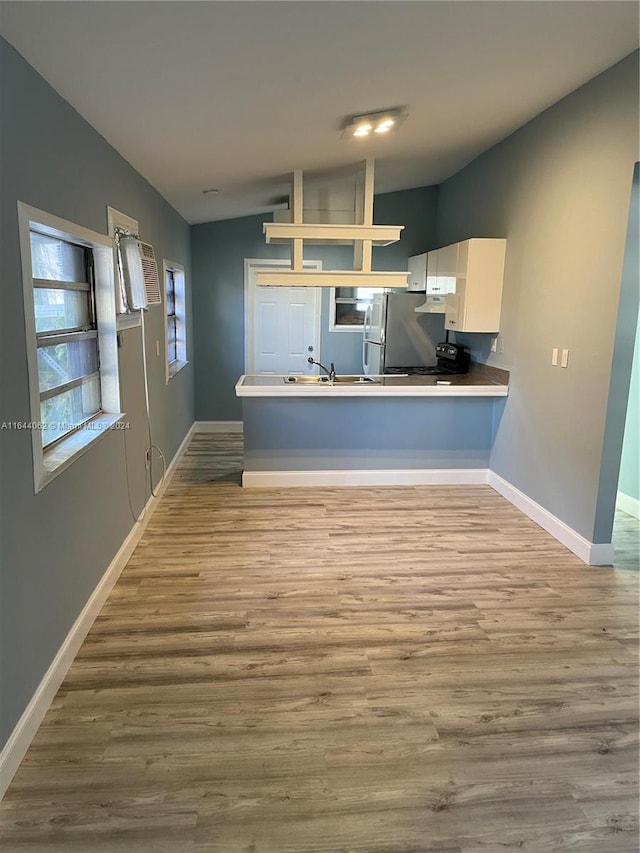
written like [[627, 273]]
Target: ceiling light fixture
[[381, 121]]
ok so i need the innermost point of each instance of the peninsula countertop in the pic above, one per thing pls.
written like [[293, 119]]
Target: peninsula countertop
[[476, 383]]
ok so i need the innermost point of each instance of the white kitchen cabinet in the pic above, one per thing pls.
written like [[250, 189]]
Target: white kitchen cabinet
[[425, 275], [475, 304], [417, 266]]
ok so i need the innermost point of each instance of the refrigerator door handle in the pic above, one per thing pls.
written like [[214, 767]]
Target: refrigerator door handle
[[365, 354], [367, 322]]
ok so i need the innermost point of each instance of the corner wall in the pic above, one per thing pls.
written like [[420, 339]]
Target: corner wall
[[558, 189], [55, 546]]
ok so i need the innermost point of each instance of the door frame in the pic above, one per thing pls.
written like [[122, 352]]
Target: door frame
[[251, 267]]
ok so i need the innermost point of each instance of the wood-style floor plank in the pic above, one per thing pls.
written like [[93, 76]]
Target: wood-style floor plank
[[406, 670]]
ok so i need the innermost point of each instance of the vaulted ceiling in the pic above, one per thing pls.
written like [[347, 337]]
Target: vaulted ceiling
[[236, 95]]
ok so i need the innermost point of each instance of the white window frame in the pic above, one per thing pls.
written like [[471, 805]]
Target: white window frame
[[50, 462], [179, 283], [335, 327]]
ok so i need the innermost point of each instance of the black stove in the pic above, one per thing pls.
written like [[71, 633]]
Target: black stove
[[452, 359]]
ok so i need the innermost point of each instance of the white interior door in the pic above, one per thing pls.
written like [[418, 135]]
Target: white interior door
[[282, 324]]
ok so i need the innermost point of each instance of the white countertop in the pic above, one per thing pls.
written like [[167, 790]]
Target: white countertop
[[465, 385]]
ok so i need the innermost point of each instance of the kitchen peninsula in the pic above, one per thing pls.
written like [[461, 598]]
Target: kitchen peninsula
[[395, 430]]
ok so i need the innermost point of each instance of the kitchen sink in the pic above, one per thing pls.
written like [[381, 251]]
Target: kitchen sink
[[307, 380], [324, 380]]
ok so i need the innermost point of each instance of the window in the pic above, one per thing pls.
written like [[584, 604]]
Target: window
[[172, 320], [348, 306], [70, 326], [175, 319], [66, 335]]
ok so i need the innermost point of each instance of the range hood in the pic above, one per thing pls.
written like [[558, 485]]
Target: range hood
[[338, 215]]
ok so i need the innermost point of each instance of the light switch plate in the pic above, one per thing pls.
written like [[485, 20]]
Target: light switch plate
[[564, 361], [554, 357]]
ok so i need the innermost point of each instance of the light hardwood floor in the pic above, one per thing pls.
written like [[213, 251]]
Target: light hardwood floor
[[626, 541], [409, 670]]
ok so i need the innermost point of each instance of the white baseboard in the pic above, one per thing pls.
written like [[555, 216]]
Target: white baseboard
[[593, 554], [27, 726], [381, 477], [218, 426], [628, 504]]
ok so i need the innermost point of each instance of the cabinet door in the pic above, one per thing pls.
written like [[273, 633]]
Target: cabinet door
[[432, 272], [462, 262], [447, 269], [455, 306], [417, 266], [484, 278]]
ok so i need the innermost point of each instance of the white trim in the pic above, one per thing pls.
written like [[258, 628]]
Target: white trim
[[251, 267], [218, 426], [593, 554], [27, 726], [628, 504], [380, 477], [600, 554]]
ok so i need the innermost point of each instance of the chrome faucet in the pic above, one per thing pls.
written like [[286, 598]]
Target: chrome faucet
[[330, 373]]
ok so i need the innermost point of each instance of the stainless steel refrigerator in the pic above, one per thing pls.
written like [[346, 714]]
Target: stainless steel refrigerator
[[395, 336]]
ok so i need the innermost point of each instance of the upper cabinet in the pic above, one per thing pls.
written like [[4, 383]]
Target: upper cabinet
[[469, 277], [425, 277]]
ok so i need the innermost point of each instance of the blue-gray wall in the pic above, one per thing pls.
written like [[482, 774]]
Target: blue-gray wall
[[219, 250], [345, 434], [56, 545], [558, 189]]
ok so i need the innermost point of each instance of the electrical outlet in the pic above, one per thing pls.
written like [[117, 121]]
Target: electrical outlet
[[564, 361], [554, 357], [500, 340]]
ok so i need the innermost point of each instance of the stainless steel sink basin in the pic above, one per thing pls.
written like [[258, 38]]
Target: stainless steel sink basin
[[324, 380], [307, 380]]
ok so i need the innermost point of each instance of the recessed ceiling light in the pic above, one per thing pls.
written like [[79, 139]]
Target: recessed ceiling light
[[381, 121], [212, 191]]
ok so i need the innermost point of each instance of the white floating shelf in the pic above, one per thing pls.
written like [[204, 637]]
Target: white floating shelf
[[331, 278], [319, 233]]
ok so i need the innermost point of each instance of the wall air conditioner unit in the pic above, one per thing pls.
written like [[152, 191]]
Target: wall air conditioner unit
[[150, 272]]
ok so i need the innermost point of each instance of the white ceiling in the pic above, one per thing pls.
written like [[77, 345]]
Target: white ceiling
[[237, 95]]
